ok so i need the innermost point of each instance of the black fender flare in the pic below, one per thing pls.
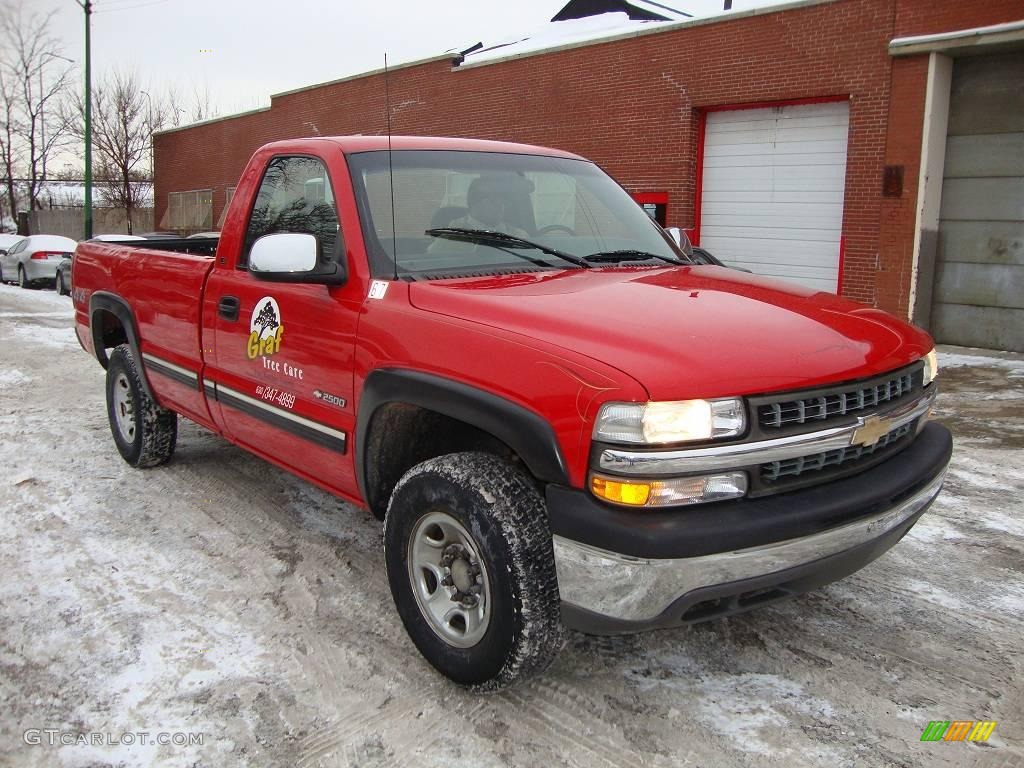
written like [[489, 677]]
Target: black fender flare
[[118, 307], [522, 430]]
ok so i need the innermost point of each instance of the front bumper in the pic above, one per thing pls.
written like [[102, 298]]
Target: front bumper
[[627, 570]]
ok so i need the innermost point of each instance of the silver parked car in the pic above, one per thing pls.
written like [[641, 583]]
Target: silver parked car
[[7, 241], [63, 282], [35, 259]]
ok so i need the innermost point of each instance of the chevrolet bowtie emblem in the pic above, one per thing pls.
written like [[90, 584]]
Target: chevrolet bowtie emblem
[[871, 431]]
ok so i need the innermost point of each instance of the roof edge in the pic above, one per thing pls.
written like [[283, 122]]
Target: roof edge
[[657, 27], [221, 119], [1010, 32]]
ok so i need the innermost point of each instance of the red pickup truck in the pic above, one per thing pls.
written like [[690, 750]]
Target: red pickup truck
[[561, 418]]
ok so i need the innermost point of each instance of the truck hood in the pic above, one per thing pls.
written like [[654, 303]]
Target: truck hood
[[687, 332]]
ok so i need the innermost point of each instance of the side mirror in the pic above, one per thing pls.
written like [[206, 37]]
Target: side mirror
[[680, 239], [292, 257]]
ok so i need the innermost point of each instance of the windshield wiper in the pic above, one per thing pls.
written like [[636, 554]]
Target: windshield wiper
[[504, 240], [629, 254]]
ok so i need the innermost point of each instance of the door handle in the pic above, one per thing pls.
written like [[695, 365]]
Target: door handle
[[228, 307]]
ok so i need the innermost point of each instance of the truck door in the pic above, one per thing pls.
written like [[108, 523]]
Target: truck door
[[282, 368]]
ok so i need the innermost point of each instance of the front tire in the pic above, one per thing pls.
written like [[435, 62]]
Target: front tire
[[145, 434], [472, 571]]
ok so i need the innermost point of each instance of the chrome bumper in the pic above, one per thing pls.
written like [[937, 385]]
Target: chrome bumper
[[631, 589]]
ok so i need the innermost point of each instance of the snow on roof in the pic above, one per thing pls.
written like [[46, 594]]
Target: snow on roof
[[561, 33], [638, 10], [616, 25]]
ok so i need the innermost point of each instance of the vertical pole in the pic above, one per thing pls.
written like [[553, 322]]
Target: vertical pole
[[88, 124]]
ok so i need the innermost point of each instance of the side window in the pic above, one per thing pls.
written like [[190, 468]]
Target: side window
[[295, 196]]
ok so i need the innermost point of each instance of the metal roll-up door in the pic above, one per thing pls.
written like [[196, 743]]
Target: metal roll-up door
[[978, 297], [772, 190]]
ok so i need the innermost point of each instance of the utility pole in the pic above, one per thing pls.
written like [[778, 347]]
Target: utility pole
[[87, 7]]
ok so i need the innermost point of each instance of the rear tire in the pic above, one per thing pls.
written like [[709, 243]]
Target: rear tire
[[472, 570], [59, 285], [22, 279], [145, 434]]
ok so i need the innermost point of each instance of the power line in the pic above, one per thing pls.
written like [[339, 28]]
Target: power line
[[102, 9]]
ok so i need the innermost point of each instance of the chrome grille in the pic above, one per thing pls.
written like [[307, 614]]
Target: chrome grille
[[774, 470], [784, 413]]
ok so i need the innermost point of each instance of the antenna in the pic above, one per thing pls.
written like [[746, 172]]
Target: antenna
[[391, 170]]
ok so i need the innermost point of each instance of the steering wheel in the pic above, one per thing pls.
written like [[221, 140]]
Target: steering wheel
[[556, 228]]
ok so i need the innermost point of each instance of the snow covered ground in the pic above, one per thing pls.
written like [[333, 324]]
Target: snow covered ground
[[222, 597]]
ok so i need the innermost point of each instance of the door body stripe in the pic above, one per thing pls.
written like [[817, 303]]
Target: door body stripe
[[170, 370], [289, 422]]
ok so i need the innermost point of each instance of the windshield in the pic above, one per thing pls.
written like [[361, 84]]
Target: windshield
[[554, 211]]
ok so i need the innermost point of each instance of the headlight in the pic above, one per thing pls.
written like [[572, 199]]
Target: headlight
[[670, 422], [931, 367]]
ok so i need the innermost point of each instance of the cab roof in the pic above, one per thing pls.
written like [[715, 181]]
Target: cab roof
[[351, 144]]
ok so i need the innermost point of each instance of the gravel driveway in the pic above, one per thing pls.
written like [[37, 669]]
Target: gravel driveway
[[220, 599]]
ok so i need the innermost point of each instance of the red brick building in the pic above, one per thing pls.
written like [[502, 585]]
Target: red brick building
[[917, 106]]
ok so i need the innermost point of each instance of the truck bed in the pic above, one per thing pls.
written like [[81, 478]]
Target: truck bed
[[201, 246], [162, 284]]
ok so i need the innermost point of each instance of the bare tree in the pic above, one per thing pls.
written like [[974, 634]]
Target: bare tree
[[181, 111], [37, 78], [10, 155], [202, 105], [124, 117]]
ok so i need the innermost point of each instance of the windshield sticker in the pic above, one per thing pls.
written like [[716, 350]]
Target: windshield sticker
[[266, 329], [378, 289]]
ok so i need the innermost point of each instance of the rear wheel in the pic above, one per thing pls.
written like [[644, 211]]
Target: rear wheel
[[59, 285], [472, 571], [144, 433], [22, 278]]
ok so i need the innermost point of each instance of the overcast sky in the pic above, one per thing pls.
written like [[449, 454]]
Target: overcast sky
[[244, 50]]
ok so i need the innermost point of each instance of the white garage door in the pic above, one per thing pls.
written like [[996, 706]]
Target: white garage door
[[772, 195]]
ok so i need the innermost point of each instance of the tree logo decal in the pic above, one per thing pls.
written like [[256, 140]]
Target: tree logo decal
[[265, 329]]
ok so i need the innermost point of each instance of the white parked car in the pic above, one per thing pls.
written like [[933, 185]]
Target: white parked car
[[35, 259]]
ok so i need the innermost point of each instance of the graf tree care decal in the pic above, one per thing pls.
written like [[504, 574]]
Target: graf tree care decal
[[266, 329]]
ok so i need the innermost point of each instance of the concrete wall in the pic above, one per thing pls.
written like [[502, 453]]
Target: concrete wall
[[70, 222]]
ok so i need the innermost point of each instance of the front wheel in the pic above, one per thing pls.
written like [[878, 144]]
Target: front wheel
[[472, 571], [145, 434]]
